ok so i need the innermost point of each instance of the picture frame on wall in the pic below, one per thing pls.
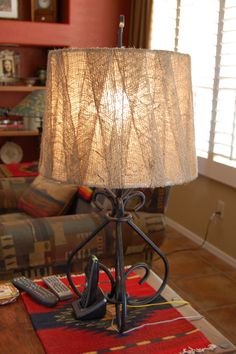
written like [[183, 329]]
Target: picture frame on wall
[[9, 65], [9, 9]]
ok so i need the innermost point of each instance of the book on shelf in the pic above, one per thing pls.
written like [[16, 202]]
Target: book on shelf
[[12, 127], [10, 123]]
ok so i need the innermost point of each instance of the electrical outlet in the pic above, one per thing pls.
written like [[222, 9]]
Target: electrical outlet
[[220, 208]]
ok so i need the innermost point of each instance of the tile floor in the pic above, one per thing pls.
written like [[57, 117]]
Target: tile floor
[[204, 280]]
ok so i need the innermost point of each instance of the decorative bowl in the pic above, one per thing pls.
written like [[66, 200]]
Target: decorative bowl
[[30, 81]]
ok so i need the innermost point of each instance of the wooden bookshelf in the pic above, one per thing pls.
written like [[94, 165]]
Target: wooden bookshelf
[[33, 40]]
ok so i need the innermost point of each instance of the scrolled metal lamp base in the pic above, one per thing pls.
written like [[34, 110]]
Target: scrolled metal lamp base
[[118, 294]]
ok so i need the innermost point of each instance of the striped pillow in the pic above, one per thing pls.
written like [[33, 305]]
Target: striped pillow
[[47, 198], [86, 193]]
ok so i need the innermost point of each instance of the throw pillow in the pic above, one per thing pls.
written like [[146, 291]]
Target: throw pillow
[[47, 198], [10, 191], [86, 193]]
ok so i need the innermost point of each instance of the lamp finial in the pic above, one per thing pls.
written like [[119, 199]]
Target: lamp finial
[[120, 30]]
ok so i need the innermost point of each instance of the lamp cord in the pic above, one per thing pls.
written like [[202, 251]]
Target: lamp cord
[[212, 217]]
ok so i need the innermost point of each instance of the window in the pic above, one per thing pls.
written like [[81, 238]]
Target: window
[[207, 31]]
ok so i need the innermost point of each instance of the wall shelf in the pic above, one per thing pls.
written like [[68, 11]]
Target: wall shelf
[[8, 133], [22, 88]]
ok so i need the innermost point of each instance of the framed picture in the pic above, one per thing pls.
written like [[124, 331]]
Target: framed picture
[[8, 8], [9, 62]]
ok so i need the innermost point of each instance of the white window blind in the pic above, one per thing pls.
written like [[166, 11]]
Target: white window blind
[[206, 29]]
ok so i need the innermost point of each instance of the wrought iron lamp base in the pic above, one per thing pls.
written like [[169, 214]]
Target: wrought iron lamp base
[[118, 294]]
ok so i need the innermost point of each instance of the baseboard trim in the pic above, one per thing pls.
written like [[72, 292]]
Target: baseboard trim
[[197, 239]]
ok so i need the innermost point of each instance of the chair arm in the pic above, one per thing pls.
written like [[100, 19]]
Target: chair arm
[[10, 191], [156, 199]]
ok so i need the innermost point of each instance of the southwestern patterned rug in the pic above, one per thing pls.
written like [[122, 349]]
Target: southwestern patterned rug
[[165, 330]]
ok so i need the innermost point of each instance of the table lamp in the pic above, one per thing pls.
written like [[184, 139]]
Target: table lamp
[[119, 119], [32, 109]]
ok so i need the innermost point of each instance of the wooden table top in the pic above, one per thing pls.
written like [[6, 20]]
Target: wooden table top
[[16, 331]]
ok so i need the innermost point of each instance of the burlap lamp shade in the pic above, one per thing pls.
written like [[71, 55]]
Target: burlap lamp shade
[[118, 118]]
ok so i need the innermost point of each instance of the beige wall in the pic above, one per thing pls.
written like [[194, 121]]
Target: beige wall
[[191, 206]]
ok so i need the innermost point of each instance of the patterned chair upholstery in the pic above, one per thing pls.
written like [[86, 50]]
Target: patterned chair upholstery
[[38, 246]]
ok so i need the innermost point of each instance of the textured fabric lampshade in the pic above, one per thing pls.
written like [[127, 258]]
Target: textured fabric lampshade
[[118, 118], [31, 106]]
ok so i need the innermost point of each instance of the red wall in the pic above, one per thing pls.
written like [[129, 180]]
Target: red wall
[[92, 23], [95, 22]]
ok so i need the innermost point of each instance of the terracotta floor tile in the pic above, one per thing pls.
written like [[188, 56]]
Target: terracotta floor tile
[[231, 275], [188, 264], [209, 291], [181, 292], [176, 243], [224, 318], [215, 261]]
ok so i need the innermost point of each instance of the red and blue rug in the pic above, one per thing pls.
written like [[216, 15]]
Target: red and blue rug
[[61, 333]]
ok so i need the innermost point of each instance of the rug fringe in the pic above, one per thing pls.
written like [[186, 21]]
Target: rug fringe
[[211, 347]]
